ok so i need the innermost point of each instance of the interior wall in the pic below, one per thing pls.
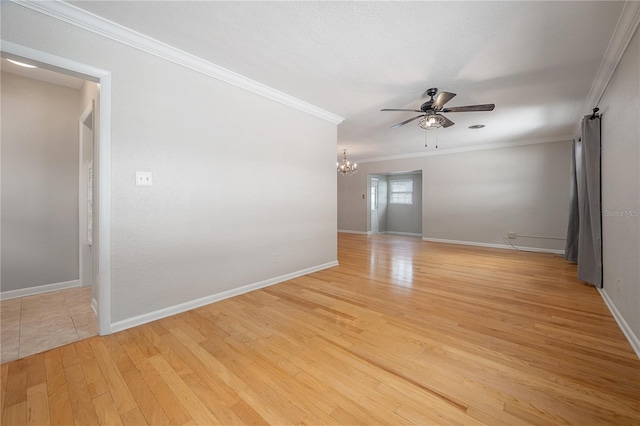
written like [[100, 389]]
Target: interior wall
[[39, 183], [244, 187], [620, 128], [480, 196], [353, 210], [406, 218]]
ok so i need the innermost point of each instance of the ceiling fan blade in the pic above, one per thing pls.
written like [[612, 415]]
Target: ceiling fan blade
[[447, 122], [442, 98], [407, 121], [412, 110], [484, 107]]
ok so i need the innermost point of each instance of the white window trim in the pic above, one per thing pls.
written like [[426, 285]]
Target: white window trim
[[391, 192]]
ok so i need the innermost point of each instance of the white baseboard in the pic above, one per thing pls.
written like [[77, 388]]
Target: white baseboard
[[490, 245], [408, 234], [345, 231], [30, 291], [94, 306], [626, 330], [193, 304]]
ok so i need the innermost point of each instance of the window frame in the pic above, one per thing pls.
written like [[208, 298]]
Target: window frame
[[401, 193]]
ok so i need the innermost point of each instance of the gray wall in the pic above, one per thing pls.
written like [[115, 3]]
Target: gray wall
[[237, 177], [406, 218], [39, 183], [621, 186], [479, 196], [353, 197]]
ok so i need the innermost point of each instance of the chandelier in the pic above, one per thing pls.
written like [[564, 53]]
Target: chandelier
[[346, 168], [431, 121]]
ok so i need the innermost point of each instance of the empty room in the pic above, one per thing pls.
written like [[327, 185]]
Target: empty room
[[320, 212]]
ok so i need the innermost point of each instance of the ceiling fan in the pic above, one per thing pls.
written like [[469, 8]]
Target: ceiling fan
[[430, 111]]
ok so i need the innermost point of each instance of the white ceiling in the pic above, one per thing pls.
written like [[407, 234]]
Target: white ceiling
[[535, 60]]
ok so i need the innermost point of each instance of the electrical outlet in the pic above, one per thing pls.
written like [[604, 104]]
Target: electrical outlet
[[275, 257], [511, 235], [620, 285], [144, 178]]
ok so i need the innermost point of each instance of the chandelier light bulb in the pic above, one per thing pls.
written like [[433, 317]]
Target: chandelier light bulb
[[346, 167]]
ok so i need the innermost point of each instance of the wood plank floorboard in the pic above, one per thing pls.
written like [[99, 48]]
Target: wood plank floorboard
[[402, 332]]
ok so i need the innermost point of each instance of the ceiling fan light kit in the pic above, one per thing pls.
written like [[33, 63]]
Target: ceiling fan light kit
[[431, 122], [430, 117]]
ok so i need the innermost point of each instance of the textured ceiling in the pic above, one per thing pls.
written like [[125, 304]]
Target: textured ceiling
[[535, 60]]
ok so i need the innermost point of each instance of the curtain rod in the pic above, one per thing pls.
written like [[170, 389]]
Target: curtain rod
[[595, 113]]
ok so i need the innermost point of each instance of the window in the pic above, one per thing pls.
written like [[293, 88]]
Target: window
[[402, 191]]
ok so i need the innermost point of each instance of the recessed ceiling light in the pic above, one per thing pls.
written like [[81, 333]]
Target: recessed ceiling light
[[21, 64], [476, 126]]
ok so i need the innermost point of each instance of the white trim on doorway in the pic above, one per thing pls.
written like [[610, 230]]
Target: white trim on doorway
[[103, 77], [82, 195]]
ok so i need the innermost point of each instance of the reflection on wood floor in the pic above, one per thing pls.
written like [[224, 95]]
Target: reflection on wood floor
[[402, 332]]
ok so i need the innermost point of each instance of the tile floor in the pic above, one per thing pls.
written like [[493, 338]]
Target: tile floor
[[33, 324]]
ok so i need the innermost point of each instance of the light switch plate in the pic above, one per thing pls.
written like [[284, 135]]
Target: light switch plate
[[144, 178]]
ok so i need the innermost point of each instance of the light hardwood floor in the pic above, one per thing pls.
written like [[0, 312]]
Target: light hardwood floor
[[402, 332]]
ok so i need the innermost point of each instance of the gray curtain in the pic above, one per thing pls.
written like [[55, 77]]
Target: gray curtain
[[571, 249], [587, 217]]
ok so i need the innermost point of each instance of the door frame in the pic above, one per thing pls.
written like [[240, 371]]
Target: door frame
[[83, 180], [373, 181], [102, 162]]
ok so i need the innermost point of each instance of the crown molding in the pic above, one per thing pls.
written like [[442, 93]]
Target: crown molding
[[88, 21], [468, 149], [620, 39]]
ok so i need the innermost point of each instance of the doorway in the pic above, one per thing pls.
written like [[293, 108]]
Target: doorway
[[44, 304], [395, 203], [375, 225], [98, 259]]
